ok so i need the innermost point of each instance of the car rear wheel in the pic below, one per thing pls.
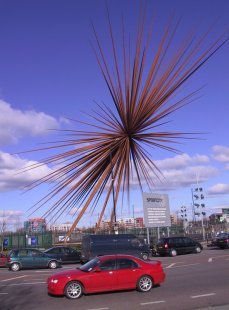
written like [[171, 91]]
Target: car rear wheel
[[145, 284], [52, 264], [15, 267], [145, 256], [173, 252], [73, 290], [198, 249]]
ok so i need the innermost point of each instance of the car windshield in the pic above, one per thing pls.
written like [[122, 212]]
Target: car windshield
[[90, 265]]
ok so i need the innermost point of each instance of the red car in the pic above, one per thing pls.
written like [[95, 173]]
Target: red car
[[3, 260], [107, 273]]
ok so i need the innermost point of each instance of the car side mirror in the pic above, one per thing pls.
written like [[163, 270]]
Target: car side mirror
[[97, 270]]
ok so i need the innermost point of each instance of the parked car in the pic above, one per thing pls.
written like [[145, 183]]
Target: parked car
[[96, 245], [30, 258], [64, 254], [3, 260], [222, 241], [107, 273], [178, 245]]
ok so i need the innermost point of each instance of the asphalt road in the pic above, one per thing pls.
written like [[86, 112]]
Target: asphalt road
[[194, 281]]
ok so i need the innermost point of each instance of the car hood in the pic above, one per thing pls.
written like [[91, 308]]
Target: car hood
[[68, 273]]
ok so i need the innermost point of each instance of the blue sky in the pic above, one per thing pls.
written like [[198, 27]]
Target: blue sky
[[49, 72]]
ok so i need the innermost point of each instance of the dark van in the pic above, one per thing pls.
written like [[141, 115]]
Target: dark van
[[96, 245]]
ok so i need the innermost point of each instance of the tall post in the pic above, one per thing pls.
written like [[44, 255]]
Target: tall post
[[113, 194], [158, 233], [193, 207], [148, 238]]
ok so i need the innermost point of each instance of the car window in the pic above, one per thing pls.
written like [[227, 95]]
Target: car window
[[186, 241], [22, 252], [36, 253], [171, 241], [13, 253], [54, 251], [90, 265], [124, 263], [67, 250], [135, 242], [108, 265]]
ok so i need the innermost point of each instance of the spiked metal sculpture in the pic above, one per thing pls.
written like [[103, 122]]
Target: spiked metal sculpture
[[103, 160]]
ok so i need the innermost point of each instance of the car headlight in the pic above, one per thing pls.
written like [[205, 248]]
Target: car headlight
[[54, 281]]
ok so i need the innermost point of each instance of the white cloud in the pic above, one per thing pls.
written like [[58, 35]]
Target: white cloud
[[221, 153], [219, 189], [182, 171], [10, 176], [180, 161], [16, 124], [9, 217]]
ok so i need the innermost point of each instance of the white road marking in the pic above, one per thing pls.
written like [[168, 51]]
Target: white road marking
[[210, 260], [3, 293], [203, 295], [99, 309], [14, 278], [152, 302], [171, 265], [220, 256], [185, 265]]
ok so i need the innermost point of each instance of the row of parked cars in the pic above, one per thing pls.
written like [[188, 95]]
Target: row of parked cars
[[97, 245], [33, 258]]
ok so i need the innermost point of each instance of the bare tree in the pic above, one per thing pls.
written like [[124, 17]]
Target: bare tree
[[3, 227]]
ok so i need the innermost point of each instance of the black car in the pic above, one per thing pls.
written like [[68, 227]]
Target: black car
[[177, 245], [222, 241], [64, 254]]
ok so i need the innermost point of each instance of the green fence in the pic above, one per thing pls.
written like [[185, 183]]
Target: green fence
[[38, 240]]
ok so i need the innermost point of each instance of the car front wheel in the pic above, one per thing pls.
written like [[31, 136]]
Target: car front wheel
[[73, 290], [15, 267], [198, 249], [52, 264], [145, 284]]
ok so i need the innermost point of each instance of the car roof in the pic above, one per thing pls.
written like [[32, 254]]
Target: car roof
[[116, 256], [60, 246], [19, 249]]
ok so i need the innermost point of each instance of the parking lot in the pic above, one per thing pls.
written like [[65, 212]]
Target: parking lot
[[193, 281]]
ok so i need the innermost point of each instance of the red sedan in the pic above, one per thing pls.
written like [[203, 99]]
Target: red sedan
[[107, 273], [3, 260]]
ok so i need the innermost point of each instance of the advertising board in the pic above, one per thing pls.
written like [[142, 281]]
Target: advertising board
[[156, 210]]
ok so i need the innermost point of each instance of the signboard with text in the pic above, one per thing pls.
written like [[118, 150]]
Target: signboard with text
[[156, 210]]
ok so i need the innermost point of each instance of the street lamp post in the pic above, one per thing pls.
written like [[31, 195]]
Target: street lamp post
[[184, 217], [198, 195]]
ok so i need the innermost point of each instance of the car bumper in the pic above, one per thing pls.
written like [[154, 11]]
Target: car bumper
[[54, 289]]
